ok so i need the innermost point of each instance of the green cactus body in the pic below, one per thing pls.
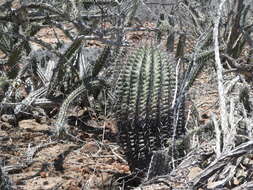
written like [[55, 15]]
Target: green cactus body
[[145, 93]]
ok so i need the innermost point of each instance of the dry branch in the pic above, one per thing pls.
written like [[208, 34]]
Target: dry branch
[[221, 162], [222, 99], [5, 183]]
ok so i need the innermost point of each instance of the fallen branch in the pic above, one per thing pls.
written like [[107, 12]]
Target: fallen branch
[[221, 91]]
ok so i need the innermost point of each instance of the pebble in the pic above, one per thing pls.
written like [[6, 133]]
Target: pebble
[[8, 118]]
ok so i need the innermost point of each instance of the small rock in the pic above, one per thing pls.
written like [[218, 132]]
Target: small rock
[[3, 135], [90, 147], [44, 175], [31, 124], [45, 183], [8, 118], [194, 172], [5, 126]]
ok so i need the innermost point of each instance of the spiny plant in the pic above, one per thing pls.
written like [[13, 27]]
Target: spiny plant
[[146, 92], [150, 106], [91, 84]]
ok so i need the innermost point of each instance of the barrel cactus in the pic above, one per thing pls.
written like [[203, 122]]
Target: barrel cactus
[[146, 92]]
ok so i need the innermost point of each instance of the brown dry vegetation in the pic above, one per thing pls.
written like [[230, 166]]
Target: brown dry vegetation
[[90, 157]]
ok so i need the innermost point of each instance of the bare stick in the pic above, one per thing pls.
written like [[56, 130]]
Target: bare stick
[[222, 99], [218, 135]]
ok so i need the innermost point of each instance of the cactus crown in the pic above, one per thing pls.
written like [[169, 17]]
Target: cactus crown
[[146, 85]]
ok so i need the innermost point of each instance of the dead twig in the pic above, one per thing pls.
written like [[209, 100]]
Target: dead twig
[[221, 91], [5, 183], [221, 162]]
